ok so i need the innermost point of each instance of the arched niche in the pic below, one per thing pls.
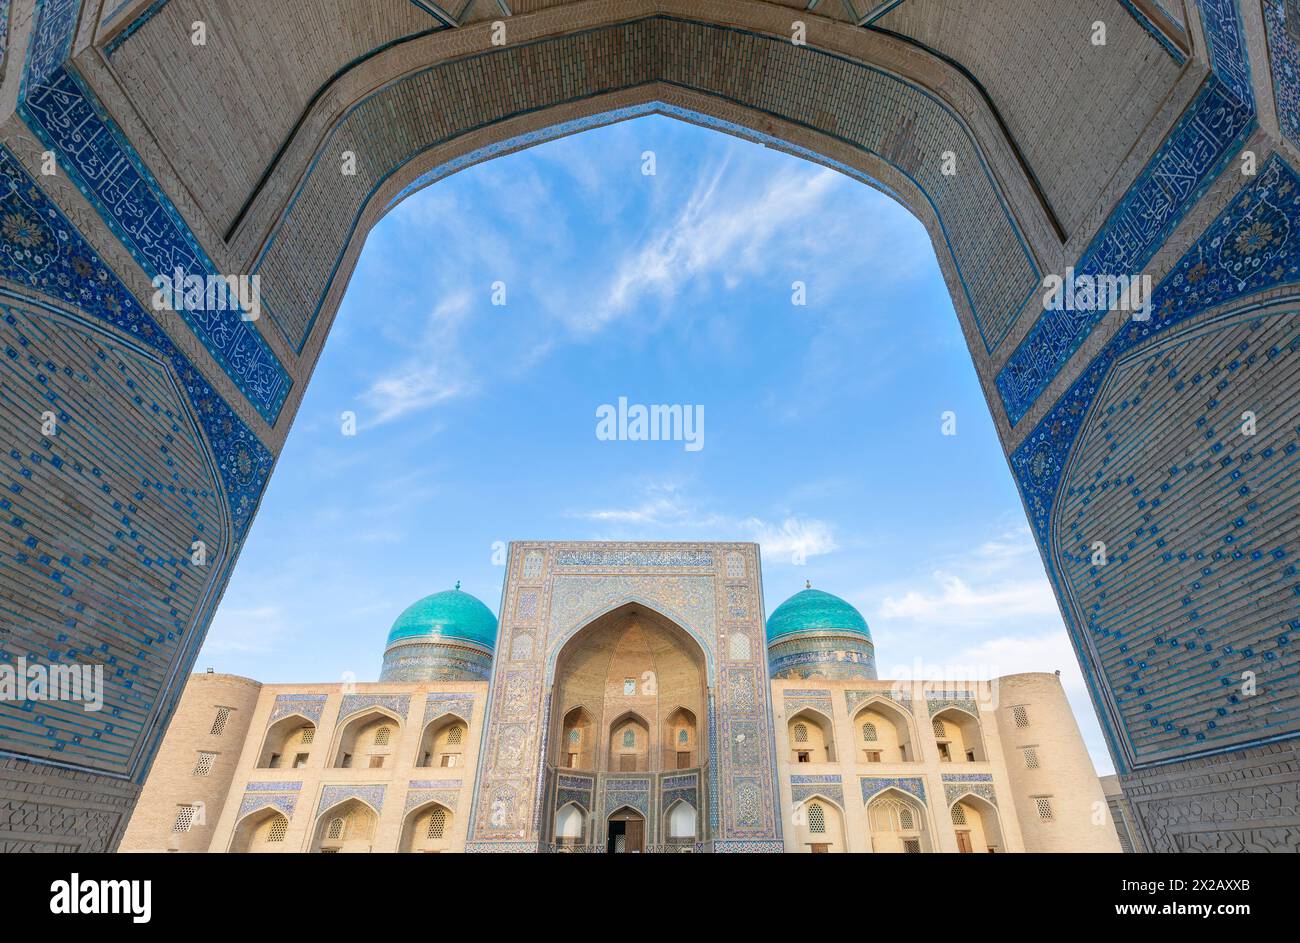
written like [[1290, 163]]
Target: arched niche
[[427, 829], [680, 740], [264, 830], [958, 736], [625, 831], [576, 745], [571, 822], [629, 744], [812, 737], [819, 826], [976, 824], [368, 741], [443, 743], [896, 823], [681, 823], [288, 743], [348, 826], [883, 733], [628, 671]]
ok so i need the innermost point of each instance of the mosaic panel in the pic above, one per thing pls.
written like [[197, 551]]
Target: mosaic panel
[[853, 698], [273, 787], [599, 559], [1253, 245], [1203, 141], [633, 792], [43, 250], [351, 704], [114, 585], [1202, 523], [1284, 58], [804, 787], [370, 793], [914, 785], [952, 791], [308, 705], [796, 701], [62, 111], [285, 803], [688, 600], [448, 796], [435, 705]]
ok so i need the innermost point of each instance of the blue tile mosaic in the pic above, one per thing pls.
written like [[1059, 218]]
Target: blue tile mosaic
[[43, 249], [62, 111]]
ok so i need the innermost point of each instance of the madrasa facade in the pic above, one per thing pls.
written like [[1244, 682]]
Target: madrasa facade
[[630, 699]]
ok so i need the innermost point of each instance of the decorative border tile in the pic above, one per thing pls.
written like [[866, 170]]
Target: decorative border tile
[[62, 111], [913, 785]]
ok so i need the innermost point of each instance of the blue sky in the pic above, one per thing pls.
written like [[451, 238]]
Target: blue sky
[[476, 422]]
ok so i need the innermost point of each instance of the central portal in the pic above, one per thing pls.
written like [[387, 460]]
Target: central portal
[[629, 691]]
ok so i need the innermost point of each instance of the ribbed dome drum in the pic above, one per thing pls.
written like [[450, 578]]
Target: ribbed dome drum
[[449, 636], [814, 634]]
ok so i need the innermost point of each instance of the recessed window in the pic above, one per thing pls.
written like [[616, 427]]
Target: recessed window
[[437, 823], [204, 765], [869, 732], [816, 819], [905, 818], [940, 730], [382, 736], [376, 762], [912, 846], [300, 761], [277, 830], [629, 687], [335, 829], [450, 759], [629, 737], [803, 757], [800, 733], [958, 815], [219, 722], [1031, 757], [1020, 715], [308, 736], [184, 818], [455, 735], [1044, 804], [873, 756], [945, 755]]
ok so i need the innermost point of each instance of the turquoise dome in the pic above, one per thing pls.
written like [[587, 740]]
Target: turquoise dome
[[811, 610], [453, 615]]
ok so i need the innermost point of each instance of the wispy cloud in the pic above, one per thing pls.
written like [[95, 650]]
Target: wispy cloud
[[664, 511], [430, 376], [251, 630], [1000, 579]]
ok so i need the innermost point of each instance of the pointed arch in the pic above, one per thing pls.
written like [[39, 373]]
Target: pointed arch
[[895, 732], [811, 735], [963, 739], [427, 828], [288, 742], [978, 827], [897, 821], [681, 821], [358, 738], [818, 825], [358, 820], [571, 824], [443, 741], [263, 829]]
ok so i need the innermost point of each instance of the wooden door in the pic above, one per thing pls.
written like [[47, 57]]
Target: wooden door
[[635, 835], [963, 842]]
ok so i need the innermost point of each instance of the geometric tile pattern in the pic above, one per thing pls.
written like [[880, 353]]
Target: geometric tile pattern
[[830, 787], [1284, 57], [308, 705], [41, 248], [371, 795], [1253, 245], [871, 785], [1202, 526], [113, 585], [1202, 142], [435, 705]]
